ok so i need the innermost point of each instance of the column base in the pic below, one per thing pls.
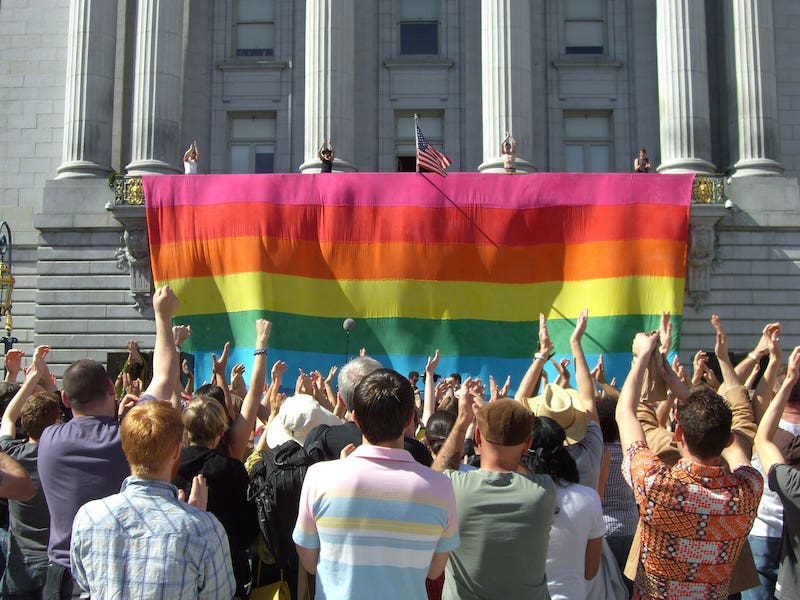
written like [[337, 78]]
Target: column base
[[150, 167], [687, 165], [757, 167], [495, 165], [81, 169], [339, 166]]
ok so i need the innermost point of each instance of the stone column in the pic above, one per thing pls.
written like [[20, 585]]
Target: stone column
[[507, 93], [89, 95], [756, 89], [157, 88], [330, 82], [683, 87]]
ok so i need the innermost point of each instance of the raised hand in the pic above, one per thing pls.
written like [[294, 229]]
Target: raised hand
[[263, 331], [503, 392], [545, 343], [278, 369], [237, 380], [220, 366], [127, 403], [793, 367], [763, 343], [303, 385], [13, 363], [721, 345], [134, 357], [331, 375], [644, 344], [580, 326], [186, 370], [432, 364], [665, 333], [181, 333], [774, 342], [362, 352], [165, 302], [599, 371], [699, 366]]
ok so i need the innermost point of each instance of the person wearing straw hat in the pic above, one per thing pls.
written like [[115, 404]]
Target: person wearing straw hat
[[575, 411]]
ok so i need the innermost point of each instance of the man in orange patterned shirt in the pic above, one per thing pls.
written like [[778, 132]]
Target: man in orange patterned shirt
[[696, 515]]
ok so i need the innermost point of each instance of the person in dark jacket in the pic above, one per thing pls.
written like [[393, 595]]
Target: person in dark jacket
[[205, 423]]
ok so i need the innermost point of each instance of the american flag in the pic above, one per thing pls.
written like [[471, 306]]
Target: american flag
[[429, 157]]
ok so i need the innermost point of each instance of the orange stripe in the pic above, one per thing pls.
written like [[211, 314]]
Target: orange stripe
[[428, 262]]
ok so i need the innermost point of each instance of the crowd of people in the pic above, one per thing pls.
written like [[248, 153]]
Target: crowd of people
[[148, 488]]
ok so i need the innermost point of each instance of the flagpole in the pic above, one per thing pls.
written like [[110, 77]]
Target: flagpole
[[416, 140]]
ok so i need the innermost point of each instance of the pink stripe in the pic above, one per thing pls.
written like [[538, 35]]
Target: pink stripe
[[415, 189]]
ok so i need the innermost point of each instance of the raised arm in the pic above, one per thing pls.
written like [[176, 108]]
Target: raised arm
[[583, 377], [246, 419], [165, 363], [768, 453], [762, 348], [38, 370], [765, 389], [429, 401], [630, 430], [526, 386], [729, 376], [452, 451], [13, 360]]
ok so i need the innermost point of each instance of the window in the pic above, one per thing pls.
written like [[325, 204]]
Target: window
[[587, 142], [405, 136], [255, 27], [252, 144], [584, 27], [419, 26]]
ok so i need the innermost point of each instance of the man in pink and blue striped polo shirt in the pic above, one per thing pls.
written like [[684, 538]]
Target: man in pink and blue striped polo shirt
[[376, 524]]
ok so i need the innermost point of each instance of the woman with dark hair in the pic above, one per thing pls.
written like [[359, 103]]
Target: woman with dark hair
[[578, 527], [437, 429]]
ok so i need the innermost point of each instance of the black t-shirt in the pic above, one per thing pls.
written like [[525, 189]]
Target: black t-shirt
[[785, 481], [333, 439], [327, 166], [29, 520]]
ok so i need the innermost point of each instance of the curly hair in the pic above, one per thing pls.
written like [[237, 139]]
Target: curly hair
[[705, 419]]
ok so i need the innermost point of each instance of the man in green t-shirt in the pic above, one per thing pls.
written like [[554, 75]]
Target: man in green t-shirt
[[504, 517]]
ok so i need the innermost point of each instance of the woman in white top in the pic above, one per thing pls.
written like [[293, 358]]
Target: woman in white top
[[576, 536], [190, 159]]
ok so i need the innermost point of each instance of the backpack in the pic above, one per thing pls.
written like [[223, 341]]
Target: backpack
[[275, 487]]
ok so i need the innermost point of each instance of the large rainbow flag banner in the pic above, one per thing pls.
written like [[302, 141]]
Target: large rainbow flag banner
[[464, 263]]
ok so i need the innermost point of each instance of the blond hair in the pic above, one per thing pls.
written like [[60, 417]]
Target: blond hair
[[205, 421], [150, 433]]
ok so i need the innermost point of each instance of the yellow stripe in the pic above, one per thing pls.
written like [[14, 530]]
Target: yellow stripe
[[427, 299], [378, 525]]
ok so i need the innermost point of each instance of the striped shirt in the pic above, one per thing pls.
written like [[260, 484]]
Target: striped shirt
[[377, 518], [144, 543]]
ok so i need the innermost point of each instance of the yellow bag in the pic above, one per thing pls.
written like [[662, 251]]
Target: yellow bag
[[274, 591]]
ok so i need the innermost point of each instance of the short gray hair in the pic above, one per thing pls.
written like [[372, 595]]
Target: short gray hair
[[351, 375]]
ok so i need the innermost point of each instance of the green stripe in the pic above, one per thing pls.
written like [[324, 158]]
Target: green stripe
[[397, 336]]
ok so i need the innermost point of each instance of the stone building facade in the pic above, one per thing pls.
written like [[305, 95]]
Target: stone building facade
[[87, 88]]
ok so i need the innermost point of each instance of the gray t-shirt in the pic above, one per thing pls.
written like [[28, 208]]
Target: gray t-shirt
[[504, 521], [79, 461], [785, 480], [588, 455], [30, 520]]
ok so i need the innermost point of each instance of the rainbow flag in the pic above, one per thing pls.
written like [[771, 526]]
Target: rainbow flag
[[464, 264]]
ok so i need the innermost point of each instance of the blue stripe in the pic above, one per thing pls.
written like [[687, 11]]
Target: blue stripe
[[616, 365], [328, 537], [373, 508]]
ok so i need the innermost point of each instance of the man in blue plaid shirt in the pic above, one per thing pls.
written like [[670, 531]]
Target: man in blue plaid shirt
[[145, 542]]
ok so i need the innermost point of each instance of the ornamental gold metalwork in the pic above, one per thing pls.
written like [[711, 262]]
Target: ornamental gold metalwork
[[128, 190], [708, 190]]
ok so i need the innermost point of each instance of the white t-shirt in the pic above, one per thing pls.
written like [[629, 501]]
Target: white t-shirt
[[190, 167], [769, 521], [578, 519]]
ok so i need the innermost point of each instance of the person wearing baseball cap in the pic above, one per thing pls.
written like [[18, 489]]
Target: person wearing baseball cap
[[504, 513]]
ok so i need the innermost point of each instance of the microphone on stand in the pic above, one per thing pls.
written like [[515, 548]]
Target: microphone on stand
[[348, 325]]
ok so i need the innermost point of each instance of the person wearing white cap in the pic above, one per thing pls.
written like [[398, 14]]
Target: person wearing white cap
[[299, 414]]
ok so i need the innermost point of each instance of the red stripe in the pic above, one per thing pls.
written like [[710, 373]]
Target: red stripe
[[465, 225]]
